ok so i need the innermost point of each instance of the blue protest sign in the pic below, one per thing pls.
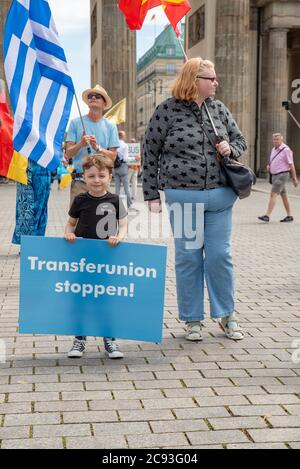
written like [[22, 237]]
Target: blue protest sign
[[89, 288]]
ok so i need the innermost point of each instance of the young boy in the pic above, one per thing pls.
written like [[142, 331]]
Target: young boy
[[86, 213]]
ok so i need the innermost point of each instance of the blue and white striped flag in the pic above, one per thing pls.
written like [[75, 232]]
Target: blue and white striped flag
[[39, 82]]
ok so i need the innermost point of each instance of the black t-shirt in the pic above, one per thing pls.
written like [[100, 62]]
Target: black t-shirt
[[97, 216]]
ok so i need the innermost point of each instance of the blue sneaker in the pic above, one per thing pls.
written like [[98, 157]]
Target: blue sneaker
[[77, 349], [112, 348]]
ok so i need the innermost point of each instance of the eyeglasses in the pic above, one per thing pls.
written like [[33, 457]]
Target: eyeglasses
[[212, 79], [95, 95]]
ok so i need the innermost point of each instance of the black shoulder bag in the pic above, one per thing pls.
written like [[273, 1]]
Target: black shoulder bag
[[238, 176]]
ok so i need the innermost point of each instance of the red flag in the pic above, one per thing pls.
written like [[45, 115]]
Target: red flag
[[175, 11], [6, 135], [135, 11]]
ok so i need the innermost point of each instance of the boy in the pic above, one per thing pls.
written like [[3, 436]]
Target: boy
[[86, 213]]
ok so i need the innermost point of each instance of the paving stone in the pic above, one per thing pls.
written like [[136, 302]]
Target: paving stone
[[239, 390], [237, 423], [32, 419], [158, 384], [90, 417], [33, 443], [34, 379], [42, 431], [293, 409], [156, 441], [257, 446], [257, 410], [123, 428], [199, 413], [221, 436], [178, 426], [111, 386], [86, 395], [33, 396], [99, 442], [221, 400], [275, 399], [145, 415], [294, 445], [288, 421], [168, 403], [136, 394], [14, 432], [60, 406], [192, 392], [276, 435], [59, 387], [20, 407], [115, 405]]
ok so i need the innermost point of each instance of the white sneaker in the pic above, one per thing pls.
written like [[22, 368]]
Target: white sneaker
[[194, 331], [77, 349], [112, 348]]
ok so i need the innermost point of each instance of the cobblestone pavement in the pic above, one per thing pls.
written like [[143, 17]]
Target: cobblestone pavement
[[216, 394]]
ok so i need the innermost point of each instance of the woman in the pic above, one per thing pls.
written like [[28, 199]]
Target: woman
[[32, 203], [180, 159]]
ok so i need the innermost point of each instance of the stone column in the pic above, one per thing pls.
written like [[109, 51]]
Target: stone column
[[233, 58], [293, 132], [274, 117], [118, 67], [4, 7]]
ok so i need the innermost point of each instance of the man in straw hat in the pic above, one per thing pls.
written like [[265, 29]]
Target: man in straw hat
[[91, 134]]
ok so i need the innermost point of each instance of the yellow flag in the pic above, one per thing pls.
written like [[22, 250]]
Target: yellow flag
[[117, 114], [66, 178], [18, 168]]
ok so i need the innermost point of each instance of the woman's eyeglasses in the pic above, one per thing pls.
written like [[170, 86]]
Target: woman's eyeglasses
[[212, 79]]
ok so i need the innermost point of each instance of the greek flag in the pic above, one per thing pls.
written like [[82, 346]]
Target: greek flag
[[40, 87]]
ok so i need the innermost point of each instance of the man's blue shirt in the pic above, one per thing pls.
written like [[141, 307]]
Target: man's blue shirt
[[106, 134]]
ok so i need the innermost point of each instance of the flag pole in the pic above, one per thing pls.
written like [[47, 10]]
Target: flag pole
[[182, 48], [89, 150]]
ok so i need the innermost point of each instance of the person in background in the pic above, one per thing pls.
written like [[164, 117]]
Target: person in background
[[281, 167], [101, 135], [121, 172], [133, 175]]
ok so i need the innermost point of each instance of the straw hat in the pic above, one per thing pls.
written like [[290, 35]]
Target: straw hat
[[100, 90]]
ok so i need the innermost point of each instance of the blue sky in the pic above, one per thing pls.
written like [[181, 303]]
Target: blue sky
[[72, 18]]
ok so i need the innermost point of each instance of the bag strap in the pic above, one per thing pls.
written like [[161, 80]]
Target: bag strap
[[218, 139], [276, 156]]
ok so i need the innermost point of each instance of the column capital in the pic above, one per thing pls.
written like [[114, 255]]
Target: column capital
[[274, 29]]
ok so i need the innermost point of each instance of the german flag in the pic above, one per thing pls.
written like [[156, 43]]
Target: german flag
[[135, 11], [12, 164]]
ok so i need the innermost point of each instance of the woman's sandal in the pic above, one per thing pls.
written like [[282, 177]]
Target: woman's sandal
[[231, 328], [194, 332]]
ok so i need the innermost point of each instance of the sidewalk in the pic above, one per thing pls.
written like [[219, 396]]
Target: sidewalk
[[215, 394]]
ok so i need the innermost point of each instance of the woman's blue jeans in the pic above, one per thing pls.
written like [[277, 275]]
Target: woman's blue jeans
[[210, 212]]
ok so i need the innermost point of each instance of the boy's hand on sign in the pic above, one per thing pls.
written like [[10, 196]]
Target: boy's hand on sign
[[113, 241], [70, 237]]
